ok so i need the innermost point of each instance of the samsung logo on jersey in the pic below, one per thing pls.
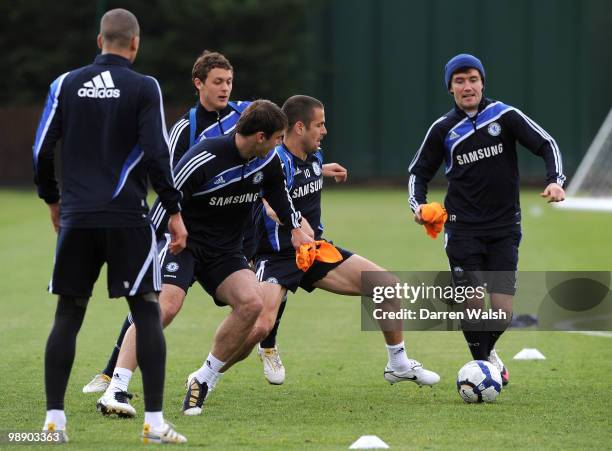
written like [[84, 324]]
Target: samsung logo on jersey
[[229, 200], [311, 187], [480, 154]]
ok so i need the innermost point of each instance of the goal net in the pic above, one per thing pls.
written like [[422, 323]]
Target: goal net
[[591, 187]]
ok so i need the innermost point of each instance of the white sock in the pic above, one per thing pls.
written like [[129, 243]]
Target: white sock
[[57, 417], [120, 381], [398, 360], [209, 372], [214, 382], [154, 419]]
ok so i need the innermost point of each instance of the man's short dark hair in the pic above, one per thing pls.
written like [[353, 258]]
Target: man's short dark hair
[[261, 116], [300, 109], [208, 61], [118, 27]]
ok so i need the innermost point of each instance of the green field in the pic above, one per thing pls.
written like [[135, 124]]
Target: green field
[[334, 390]]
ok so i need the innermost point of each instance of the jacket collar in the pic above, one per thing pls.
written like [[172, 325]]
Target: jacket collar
[[481, 106], [113, 59], [212, 116]]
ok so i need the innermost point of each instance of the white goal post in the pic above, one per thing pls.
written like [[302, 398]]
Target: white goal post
[[591, 186]]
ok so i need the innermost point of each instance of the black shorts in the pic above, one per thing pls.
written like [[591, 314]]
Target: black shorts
[[495, 253], [191, 264], [129, 252], [281, 269]]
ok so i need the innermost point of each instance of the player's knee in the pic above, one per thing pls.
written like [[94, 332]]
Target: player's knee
[[170, 307], [376, 281], [389, 279], [249, 305], [168, 314], [70, 313], [144, 309]]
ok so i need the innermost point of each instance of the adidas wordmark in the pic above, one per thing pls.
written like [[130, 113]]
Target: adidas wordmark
[[100, 87]]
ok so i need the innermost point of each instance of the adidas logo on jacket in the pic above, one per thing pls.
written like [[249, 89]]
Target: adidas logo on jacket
[[100, 87]]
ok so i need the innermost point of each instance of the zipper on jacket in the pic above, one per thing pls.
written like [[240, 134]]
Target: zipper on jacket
[[219, 122], [473, 121]]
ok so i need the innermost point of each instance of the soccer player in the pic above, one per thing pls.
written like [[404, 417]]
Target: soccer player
[[477, 142], [276, 267], [220, 180], [110, 120], [214, 115]]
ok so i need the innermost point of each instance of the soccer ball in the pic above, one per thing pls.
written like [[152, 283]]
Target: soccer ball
[[479, 381]]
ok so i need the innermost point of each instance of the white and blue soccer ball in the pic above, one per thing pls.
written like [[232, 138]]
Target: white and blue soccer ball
[[479, 381]]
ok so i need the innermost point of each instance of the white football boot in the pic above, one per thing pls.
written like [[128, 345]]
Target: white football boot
[[98, 384], [416, 374], [273, 368], [497, 363], [57, 435], [116, 402], [164, 434]]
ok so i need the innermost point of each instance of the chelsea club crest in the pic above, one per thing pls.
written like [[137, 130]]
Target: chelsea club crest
[[172, 267], [316, 168], [494, 129], [257, 178]]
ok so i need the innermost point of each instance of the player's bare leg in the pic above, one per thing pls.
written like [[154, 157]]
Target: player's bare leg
[[267, 350], [346, 279], [115, 399], [242, 292], [273, 295]]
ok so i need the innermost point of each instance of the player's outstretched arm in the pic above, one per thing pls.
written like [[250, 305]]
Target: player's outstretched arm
[[553, 193], [339, 173]]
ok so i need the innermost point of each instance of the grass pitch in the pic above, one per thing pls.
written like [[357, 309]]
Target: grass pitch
[[334, 390]]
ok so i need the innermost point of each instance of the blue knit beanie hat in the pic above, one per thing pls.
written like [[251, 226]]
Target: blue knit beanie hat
[[459, 61]]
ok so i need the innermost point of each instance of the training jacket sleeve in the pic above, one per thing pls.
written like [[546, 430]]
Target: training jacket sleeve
[[189, 175], [179, 140], [424, 166], [539, 142], [48, 134], [153, 139], [276, 194]]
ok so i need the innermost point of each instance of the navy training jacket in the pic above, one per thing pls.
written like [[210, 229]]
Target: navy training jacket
[[481, 164], [110, 121]]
